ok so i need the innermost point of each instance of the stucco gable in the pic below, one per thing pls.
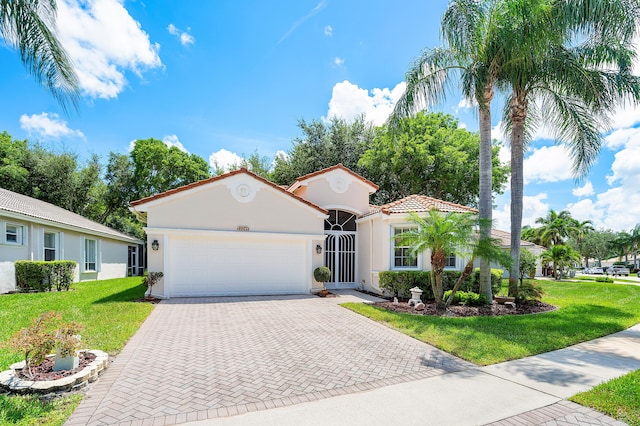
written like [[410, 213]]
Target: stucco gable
[[242, 184], [339, 178]]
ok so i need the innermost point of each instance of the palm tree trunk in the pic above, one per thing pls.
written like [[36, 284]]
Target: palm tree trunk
[[486, 188], [518, 113], [466, 273], [437, 266]]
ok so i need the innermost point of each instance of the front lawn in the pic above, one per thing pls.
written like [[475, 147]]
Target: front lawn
[[617, 398], [110, 318], [586, 311]]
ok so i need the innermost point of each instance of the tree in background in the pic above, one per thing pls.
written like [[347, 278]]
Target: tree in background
[[528, 265], [428, 154], [256, 163], [29, 26], [561, 256], [324, 145], [597, 245]]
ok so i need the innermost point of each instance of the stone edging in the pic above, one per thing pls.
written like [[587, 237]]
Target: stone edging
[[89, 374]]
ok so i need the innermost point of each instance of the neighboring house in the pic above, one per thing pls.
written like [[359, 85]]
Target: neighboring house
[[31, 229], [505, 243], [239, 234]]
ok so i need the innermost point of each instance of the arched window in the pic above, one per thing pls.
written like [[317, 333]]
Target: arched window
[[339, 220]]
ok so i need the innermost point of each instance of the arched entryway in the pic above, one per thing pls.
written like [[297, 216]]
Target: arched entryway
[[340, 248]]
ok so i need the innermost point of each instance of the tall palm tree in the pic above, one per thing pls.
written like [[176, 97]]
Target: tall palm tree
[[29, 27], [555, 227], [561, 256], [468, 56], [566, 65]]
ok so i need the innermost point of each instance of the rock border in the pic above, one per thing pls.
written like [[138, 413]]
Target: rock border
[[89, 374]]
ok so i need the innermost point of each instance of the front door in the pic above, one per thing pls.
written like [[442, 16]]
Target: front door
[[340, 249]]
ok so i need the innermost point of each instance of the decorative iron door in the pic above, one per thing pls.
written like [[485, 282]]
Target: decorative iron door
[[340, 248]]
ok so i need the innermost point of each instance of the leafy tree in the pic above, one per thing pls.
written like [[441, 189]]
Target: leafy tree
[[159, 168], [29, 27], [565, 64], [13, 174], [634, 237], [256, 163], [428, 154], [471, 56], [597, 245], [621, 245], [324, 145], [561, 256]]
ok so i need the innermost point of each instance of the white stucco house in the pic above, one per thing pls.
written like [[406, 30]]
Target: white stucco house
[[239, 234], [31, 229]]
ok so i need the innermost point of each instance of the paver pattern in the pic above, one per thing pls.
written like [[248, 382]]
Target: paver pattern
[[202, 358], [563, 413]]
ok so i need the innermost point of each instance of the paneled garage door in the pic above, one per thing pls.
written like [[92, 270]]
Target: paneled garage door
[[214, 266]]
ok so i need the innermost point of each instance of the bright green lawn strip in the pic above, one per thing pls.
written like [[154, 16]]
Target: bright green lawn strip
[[617, 398], [110, 318], [586, 311], [30, 410]]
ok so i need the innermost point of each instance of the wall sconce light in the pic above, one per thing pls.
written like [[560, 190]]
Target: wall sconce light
[[318, 249], [155, 245]]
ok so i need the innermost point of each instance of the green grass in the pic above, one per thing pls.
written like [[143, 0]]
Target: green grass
[[617, 398], [586, 311], [110, 318]]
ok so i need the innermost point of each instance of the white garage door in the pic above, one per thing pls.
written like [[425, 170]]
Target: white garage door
[[220, 267]]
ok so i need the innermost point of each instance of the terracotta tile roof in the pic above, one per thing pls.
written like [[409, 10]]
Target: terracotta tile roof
[[338, 166], [505, 239], [221, 177], [419, 203], [27, 206]]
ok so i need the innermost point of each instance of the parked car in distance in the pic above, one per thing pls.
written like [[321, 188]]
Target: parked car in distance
[[617, 270], [596, 271]]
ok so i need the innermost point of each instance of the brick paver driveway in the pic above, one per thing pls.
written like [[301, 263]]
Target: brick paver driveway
[[200, 358]]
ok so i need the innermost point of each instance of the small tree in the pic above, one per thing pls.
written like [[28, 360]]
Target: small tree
[[151, 279], [561, 256], [45, 334], [528, 264], [322, 274]]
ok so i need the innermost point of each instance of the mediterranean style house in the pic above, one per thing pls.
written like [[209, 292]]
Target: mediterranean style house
[[239, 234], [31, 229]]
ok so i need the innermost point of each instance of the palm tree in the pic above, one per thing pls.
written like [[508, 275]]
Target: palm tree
[[566, 64], [634, 237], [468, 56], [556, 227], [579, 232], [561, 256], [29, 27]]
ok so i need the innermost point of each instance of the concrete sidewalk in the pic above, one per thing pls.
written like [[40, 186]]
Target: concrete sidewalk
[[529, 391]]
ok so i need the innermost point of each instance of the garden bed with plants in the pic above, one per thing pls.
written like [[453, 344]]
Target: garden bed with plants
[[494, 309]]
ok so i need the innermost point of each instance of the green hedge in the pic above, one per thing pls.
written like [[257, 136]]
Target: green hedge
[[398, 283], [44, 276]]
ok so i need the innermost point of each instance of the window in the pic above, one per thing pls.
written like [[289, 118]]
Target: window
[[401, 257], [90, 255], [451, 261], [13, 234], [50, 246]]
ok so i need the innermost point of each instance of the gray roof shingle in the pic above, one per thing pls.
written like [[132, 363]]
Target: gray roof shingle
[[21, 204]]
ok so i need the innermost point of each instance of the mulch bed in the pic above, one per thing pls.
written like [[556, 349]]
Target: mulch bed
[[494, 309], [44, 371]]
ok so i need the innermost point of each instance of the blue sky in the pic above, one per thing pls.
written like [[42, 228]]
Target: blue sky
[[224, 78]]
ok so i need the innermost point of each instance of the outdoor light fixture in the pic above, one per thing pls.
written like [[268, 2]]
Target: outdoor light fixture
[[155, 245], [318, 249]]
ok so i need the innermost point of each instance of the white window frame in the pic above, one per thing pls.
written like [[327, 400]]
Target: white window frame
[[96, 256], [19, 234], [418, 259], [57, 245], [448, 259]]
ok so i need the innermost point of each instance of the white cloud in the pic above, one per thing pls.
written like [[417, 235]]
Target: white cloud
[[465, 104], [348, 101], [184, 36], [338, 61], [104, 42], [48, 125], [588, 210], [619, 137], [224, 159], [626, 167], [548, 164], [533, 207], [584, 191], [172, 140], [328, 30]]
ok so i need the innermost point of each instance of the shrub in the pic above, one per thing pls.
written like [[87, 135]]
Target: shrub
[[604, 279], [529, 290], [44, 276], [398, 283], [468, 298], [46, 333], [322, 274], [496, 281]]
